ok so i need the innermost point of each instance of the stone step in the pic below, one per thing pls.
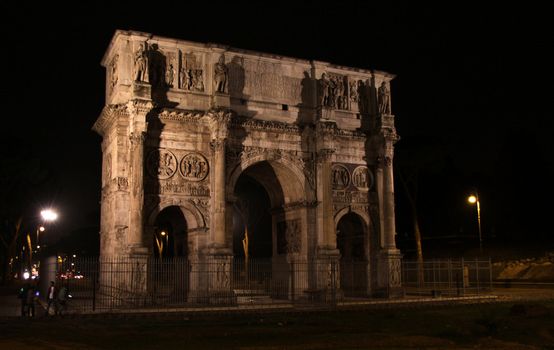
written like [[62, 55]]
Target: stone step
[[252, 296]]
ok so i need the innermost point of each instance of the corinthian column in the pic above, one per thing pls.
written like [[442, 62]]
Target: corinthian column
[[218, 123], [388, 203], [218, 149], [137, 189], [138, 109]]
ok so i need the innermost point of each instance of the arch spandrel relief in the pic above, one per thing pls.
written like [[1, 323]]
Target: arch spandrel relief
[[194, 167], [362, 179], [340, 177], [161, 164]]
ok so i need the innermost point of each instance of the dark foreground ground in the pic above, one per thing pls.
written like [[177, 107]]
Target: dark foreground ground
[[506, 325]]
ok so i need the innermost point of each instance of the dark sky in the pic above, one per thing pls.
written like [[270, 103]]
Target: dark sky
[[473, 86]]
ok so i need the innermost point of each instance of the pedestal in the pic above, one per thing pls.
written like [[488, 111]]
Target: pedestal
[[327, 266], [221, 101], [389, 281], [142, 90]]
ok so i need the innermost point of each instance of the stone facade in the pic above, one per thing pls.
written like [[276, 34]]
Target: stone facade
[[184, 120]]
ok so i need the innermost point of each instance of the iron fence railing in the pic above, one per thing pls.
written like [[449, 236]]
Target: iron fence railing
[[448, 277], [150, 283]]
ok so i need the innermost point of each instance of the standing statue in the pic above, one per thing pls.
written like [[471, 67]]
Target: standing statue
[[169, 75], [141, 64], [220, 76], [324, 90], [383, 98]]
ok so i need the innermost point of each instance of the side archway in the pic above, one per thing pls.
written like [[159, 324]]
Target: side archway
[[352, 232]]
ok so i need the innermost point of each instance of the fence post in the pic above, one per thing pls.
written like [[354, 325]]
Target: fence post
[[333, 283], [292, 282], [94, 291], [477, 273], [463, 277], [490, 274]]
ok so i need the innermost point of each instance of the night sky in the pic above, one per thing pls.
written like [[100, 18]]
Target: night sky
[[472, 96]]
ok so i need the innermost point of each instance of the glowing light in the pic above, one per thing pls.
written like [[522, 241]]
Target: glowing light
[[49, 215], [41, 229], [26, 275], [472, 199], [163, 233], [74, 255]]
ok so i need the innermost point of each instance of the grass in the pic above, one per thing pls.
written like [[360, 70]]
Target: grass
[[460, 326]]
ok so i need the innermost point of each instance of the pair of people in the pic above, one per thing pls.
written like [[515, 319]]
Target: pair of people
[[28, 295], [57, 299]]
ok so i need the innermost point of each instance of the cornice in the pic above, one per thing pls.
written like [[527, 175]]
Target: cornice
[[264, 125], [108, 115], [182, 116]]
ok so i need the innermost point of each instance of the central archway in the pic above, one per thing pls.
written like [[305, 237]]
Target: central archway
[[268, 228]]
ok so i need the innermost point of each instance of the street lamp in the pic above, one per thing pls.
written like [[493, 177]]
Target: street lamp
[[166, 235], [39, 230], [49, 215], [474, 199]]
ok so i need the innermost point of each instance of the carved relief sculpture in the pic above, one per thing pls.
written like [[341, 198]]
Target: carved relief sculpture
[[341, 177], [141, 64], [161, 164], [194, 167], [339, 93], [113, 71], [220, 75], [192, 74], [361, 178], [288, 237]]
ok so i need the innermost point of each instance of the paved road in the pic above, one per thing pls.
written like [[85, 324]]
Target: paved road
[[10, 305]]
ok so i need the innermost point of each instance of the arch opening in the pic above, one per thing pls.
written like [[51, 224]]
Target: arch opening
[[352, 242], [170, 236]]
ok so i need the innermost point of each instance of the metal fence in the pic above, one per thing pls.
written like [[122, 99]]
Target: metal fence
[[150, 283], [458, 277]]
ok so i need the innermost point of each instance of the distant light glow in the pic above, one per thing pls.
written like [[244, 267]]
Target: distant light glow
[[41, 229], [74, 255], [163, 233], [26, 275], [472, 199], [49, 215]]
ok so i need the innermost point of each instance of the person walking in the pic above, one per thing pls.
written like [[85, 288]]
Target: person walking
[[62, 300], [23, 297], [31, 298], [51, 298]]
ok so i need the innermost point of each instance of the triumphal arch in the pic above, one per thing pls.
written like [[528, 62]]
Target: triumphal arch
[[212, 153]]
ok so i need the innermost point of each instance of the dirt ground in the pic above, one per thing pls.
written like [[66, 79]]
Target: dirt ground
[[524, 325]]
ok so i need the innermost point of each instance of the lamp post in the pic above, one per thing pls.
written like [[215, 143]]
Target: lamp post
[[474, 199], [39, 230], [47, 215], [166, 236]]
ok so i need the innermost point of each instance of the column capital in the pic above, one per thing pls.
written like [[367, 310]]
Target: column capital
[[140, 107], [218, 144], [137, 137], [325, 155]]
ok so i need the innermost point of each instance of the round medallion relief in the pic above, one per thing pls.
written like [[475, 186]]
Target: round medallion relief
[[340, 177], [362, 178], [194, 167], [161, 164]]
